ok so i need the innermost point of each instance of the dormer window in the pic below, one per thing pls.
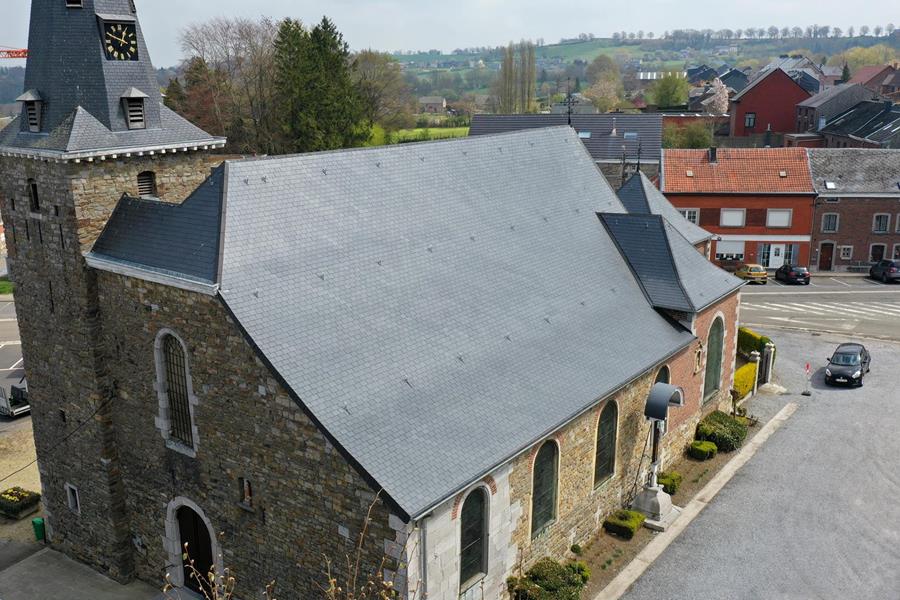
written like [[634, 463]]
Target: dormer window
[[133, 103], [32, 103]]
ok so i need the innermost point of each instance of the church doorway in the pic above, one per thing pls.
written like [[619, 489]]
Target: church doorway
[[196, 535]]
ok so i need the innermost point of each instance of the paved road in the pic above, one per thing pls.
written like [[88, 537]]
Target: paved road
[[847, 305], [11, 369], [816, 513]]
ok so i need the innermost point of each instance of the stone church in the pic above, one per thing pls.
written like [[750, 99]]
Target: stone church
[[442, 350]]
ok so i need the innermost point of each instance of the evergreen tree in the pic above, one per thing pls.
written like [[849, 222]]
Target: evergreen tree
[[297, 122], [845, 74], [175, 96]]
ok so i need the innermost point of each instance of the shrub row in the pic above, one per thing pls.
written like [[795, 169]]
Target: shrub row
[[624, 523], [726, 432], [744, 379], [749, 340], [702, 450], [550, 580]]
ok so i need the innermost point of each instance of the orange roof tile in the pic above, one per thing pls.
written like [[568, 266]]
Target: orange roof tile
[[736, 171]]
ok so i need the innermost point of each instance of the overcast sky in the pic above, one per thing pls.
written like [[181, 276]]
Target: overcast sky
[[425, 24]]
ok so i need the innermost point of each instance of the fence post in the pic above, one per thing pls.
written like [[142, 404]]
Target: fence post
[[754, 358], [770, 361]]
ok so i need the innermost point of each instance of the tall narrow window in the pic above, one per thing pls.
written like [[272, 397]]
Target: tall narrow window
[[663, 376], [473, 542], [714, 347], [180, 426], [605, 465], [544, 489], [134, 113], [146, 182], [34, 201]]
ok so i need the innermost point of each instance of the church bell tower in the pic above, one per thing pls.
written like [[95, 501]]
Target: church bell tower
[[92, 128]]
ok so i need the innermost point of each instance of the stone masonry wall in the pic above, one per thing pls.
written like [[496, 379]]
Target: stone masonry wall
[[582, 506], [309, 503]]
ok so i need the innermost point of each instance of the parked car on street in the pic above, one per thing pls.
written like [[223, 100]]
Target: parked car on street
[[753, 274], [793, 274], [848, 365], [16, 403], [885, 270]]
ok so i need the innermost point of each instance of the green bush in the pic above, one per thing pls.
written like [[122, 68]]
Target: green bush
[[16, 499], [550, 580], [670, 481], [726, 432], [624, 523], [576, 550], [702, 450], [744, 379], [749, 340]]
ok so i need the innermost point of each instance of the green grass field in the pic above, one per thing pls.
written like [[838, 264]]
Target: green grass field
[[433, 133], [6, 286]]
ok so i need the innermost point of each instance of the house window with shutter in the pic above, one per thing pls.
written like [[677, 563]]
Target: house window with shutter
[[33, 116], [545, 487], [146, 182], [134, 113]]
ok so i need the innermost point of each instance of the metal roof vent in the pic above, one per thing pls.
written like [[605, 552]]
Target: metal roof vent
[[585, 135], [689, 173], [830, 185], [782, 174]]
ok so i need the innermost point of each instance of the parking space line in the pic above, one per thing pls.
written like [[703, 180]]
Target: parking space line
[[873, 282], [840, 282], [16, 365]]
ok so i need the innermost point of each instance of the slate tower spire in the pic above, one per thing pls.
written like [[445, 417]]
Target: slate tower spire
[[92, 129]]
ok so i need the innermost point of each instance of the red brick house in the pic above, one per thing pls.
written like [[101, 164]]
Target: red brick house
[[768, 103], [857, 219], [873, 77], [758, 203]]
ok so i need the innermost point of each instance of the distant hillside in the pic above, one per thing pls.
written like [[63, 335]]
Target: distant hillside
[[12, 84]]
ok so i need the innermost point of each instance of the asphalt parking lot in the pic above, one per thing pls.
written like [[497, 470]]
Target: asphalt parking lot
[[815, 514], [11, 368]]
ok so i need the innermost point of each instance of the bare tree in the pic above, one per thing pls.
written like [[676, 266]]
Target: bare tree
[[864, 30], [851, 32], [785, 32], [385, 93], [773, 32], [796, 32], [837, 32], [890, 28], [877, 30]]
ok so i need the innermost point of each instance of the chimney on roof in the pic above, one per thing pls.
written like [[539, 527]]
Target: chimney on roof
[[713, 155]]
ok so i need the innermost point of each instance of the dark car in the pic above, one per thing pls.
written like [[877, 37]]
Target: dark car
[[793, 274], [885, 270], [848, 365]]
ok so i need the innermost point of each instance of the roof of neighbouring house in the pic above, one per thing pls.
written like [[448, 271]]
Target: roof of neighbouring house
[[877, 122], [833, 93], [842, 171], [866, 74], [632, 131], [431, 100], [760, 77], [737, 171], [451, 317], [640, 196], [735, 78]]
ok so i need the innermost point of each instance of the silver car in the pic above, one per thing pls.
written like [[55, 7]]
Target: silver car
[[885, 270]]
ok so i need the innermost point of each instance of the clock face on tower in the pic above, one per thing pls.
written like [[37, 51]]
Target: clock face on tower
[[120, 41]]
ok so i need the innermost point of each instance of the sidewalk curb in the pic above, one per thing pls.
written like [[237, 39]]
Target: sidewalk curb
[[624, 580]]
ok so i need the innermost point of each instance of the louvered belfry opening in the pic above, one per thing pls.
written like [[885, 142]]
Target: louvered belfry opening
[[181, 428], [134, 109], [146, 182], [33, 115]]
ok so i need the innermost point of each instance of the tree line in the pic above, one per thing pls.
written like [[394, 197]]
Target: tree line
[[276, 87]]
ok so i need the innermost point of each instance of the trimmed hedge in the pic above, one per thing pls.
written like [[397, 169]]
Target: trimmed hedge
[[550, 580], [749, 340], [670, 481], [744, 379], [702, 450], [726, 432], [624, 523]]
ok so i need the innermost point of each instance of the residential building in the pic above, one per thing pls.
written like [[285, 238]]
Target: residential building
[[433, 105], [611, 138], [735, 79], [815, 112], [813, 76], [758, 203], [869, 124], [874, 77], [473, 351], [857, 219], [767, 104], [701, 75]]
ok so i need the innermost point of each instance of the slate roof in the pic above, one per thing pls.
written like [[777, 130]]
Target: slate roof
[[177, 240], [834, 93], [870, 74], [736, 171], [735, 79], [760, 77], [702, 281], [876, 122], [603, 146], [436, 307], [640, 196], [855, 171], [82, 91]]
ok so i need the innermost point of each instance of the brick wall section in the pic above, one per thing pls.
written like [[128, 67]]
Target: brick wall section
[[582, 507], [305, 493], [855, 223]]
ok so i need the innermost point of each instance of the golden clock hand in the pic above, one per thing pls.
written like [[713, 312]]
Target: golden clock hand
[[118, 39]]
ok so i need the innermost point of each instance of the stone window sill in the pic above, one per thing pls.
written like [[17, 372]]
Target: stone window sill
[[466, 589], [181, 448]]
